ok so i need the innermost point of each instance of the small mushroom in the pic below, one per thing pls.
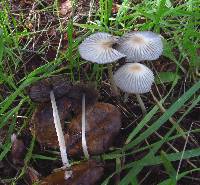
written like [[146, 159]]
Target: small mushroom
[[44, 91], [98, 48], [134, 78], [140, 45], [61, 139], [75, 95], [89, 96]]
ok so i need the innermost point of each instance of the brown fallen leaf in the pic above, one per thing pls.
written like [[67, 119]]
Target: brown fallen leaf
[[39, 92], [86, 173], [103, 125], [42, 123]]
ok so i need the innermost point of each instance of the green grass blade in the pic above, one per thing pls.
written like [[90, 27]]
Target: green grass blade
[[176, 106]]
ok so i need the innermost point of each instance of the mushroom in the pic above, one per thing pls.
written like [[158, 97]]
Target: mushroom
[[79, 94], [47, 90], [61, 139], [98, 48], [134, 78], [140, 45], [75, 95], [39, 92]]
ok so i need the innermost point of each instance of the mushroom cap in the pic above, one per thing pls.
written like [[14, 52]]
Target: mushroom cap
[[40, 91], [75, 95], [97, 48], [134, 78], [140, 45]]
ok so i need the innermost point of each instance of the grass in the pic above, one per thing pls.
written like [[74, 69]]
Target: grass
[[177, 21]]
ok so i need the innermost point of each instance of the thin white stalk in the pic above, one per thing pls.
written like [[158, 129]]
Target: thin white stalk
[[126, 95], [60, 135], [84, 143], [112, 82], [142, 106]]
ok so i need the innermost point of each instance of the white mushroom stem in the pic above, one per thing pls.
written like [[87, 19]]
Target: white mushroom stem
[[83, 138], [60, 135], [112, 82], [141, 103], [126, 95]]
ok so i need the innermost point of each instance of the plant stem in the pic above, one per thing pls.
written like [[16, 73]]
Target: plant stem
[[141, 103], [60, 135], [83, 138], [112, 82]]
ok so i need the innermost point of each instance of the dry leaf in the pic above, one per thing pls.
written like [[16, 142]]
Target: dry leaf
[[87, 173], [42, 122], [103, 124]]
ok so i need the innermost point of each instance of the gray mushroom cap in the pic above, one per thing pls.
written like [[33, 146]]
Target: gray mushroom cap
[[134, 78], [140, 45], [97, 48]]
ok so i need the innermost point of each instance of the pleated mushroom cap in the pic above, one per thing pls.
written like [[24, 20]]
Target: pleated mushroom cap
[[134, 78], [140, 45], [97, 48]]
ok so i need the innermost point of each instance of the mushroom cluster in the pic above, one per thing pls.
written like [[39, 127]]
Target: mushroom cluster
[[135, 47], [93, 125]]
